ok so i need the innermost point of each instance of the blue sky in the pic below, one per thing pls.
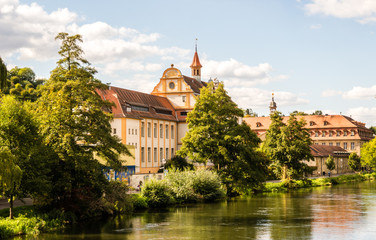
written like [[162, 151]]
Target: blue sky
[[314, 54]]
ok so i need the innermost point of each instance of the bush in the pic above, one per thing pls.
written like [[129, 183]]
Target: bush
[[116, 199], [139, 201], [157, 193], [181, 185], [207, 185]]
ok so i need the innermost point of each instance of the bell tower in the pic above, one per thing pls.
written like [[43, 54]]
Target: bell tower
[[196, 65], [273, 105]]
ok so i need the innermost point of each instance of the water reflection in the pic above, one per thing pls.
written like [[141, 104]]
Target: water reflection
[[341, 212]]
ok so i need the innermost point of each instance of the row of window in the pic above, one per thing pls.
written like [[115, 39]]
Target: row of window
[[331, 133], [162, 155], [155, 131], [352, 145]]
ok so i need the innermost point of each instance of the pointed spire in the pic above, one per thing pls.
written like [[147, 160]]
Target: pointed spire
[[196, 65], [273, 105]]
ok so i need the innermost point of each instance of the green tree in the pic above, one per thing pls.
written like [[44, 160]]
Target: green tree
[[373, 128], [298, 113], [178, 162], [75, 126], [3, 74], [317, 112], [287, 145], [368, 154], [215, 135], [330, 164], [19, 140], [354, 162]]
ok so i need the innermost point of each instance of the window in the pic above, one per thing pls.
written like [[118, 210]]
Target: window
[[323, 133], [258, 124], [325, 123], [161, 154], [142, 129], [183, 113], [149, 129], [114, 131], [323, 144], [166, 153], [345, 133], [135, 131], [316, 134], [129, 131], [183, 98], [166, 131], [171, 85], [352, 132], [311, 123], [352, 146], [139, 108], [132, 131], [135, 145], [161, 130], [172, 152], [155, 156], [155, 130], [330, 133], [345, 145], [172, 132], [338, 144], [330, 144], [338, 133], [149, 154], [316, 143], [142, 154]]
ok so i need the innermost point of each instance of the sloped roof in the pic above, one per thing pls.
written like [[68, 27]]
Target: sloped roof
[[325, 151], [196, 61], [158, 107], [195, 84]]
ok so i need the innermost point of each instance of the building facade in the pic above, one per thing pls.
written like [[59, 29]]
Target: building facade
[[154, 124]]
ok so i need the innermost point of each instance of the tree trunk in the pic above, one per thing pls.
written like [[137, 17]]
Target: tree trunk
[[11, 207]]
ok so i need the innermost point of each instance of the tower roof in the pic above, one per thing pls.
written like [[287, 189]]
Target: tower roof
[[196, 61]]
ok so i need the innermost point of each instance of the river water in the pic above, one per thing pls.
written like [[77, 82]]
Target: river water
[[341, 212]]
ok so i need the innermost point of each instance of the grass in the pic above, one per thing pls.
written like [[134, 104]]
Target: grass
[[28, 221], [286, 186]]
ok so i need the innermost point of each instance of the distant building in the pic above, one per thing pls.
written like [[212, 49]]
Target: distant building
[[154, 124], [329, 130], [321, 153]]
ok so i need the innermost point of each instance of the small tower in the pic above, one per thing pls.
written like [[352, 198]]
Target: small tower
[[273, 105], [196, 65]]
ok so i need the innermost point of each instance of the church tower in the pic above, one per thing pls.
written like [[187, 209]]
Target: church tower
[[196, 65], [273, 105]]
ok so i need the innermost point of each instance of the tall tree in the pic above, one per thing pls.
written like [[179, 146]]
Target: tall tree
[[287, 145], [354, 161], [3, 74], [215, 135], [368, 154], [75, 125], [19, 140]]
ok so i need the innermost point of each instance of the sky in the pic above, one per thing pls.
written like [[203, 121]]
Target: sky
[[312, 54]]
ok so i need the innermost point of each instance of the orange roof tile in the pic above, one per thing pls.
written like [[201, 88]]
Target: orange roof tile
[[196, 61]]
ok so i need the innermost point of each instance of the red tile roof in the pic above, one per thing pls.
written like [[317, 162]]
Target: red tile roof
[[156, 107], [195, 84]]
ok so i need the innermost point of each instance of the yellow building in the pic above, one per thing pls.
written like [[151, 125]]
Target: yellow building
[[155, 123]]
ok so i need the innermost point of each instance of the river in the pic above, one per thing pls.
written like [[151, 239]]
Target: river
[[345, 211]]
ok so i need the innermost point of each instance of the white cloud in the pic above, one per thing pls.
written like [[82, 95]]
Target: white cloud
[[331, 93], [362, 10], [363, 114], [259, 98], [360, 93], [235, 73]]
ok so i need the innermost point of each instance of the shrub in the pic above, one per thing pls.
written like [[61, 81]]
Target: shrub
[[207, 185], [181, 185], [116, 199], [139, 201], [157, 193]]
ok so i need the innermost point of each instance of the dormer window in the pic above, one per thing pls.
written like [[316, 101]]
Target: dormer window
[[352, 132], [258, 124], [326, 123], [311, 123], [183, 98], [345, 133]]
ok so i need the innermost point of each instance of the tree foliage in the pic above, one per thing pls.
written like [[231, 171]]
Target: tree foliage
[[354, 161], [287, 145], [19, 142], [3, 74], [75, 126], [373, 128], [368, 154], [317, 112], [178, 162], [330, 164], [216, 136]]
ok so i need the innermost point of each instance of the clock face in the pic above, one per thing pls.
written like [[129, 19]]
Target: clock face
[[171, 85]]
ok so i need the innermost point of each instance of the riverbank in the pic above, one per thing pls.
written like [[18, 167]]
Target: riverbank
[[288, 185]]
